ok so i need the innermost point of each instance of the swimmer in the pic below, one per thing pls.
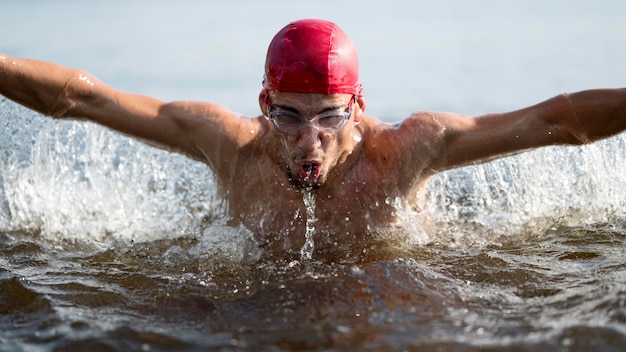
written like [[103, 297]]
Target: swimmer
[[313, 137]]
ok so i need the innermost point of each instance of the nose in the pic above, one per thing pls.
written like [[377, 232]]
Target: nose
[[309, 139]]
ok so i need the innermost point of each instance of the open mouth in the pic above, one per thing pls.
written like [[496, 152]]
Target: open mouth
[[309, 170]]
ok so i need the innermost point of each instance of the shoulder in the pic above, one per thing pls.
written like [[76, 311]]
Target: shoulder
[[426, 121], [409, 147], [421, 127]]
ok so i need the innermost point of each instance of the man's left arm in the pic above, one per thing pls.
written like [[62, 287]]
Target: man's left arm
[[574, 119]]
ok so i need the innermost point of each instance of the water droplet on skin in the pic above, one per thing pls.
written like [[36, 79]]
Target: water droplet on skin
[[86, 80]]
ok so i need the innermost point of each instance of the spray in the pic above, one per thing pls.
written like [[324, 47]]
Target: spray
[[306, 252]]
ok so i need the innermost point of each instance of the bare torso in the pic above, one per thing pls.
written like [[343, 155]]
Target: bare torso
[[359, 198]]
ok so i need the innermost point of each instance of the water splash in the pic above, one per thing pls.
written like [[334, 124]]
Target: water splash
[[530, 193], [71, 180], [306, 252], [78, 180]]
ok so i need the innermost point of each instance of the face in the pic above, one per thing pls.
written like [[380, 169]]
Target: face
[[311, 133]]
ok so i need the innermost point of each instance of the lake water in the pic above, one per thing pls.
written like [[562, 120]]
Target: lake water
[[109, 245]]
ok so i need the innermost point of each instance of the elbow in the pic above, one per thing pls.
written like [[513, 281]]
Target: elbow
[[74, 95]]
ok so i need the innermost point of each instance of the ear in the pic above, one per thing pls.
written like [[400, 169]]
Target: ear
[[263, 99], [358, 113]]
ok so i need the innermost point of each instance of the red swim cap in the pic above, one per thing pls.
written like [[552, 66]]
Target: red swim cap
[[312, 56]]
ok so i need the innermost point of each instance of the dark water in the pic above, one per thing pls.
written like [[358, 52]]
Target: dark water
[[563, 291]]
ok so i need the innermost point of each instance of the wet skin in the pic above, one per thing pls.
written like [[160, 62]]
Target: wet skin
[[358, 174]]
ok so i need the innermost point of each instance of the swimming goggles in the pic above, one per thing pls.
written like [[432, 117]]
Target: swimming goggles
[[328, 121]]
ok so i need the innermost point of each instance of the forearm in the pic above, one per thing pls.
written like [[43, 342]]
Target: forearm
[[46, 87], [595, 114], [577, 118]]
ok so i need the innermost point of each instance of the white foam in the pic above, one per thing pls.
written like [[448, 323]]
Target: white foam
[[78, 180], [74, 180], [531, 192]]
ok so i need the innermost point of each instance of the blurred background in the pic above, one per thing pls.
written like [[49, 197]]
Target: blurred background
[[450, 55]]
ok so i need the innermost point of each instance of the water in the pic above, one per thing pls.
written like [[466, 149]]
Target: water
[[306, 252], [108, 244]]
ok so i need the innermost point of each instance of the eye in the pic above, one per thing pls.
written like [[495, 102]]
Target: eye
[[331, 119], [287, 119]]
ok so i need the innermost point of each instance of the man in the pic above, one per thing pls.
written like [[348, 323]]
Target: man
[[314, 164]]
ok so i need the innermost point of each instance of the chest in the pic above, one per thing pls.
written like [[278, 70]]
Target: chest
[[342, 212]]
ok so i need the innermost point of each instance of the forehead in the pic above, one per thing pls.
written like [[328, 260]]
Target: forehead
[[313, 101]]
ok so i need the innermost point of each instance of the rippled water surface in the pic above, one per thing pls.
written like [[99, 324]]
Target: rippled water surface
[[563, 290], [109, 245]]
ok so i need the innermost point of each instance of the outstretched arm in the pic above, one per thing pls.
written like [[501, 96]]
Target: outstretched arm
[[199, 130], [577, 118]]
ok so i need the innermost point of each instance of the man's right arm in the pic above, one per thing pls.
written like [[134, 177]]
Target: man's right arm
[[195, 129]]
